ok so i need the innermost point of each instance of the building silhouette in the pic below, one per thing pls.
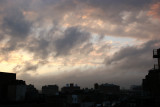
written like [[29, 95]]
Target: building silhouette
[[5, 80], [50, 90], [10, 88], [107, 88], [151, 83], [17, 91], [32, 93], [70, 88]]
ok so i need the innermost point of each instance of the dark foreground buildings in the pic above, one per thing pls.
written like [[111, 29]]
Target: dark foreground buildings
[[10, 88], [107, 88], [5, 80], [151, 83], [69, 88], [50, 90]]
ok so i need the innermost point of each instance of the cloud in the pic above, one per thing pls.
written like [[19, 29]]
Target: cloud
[[128, 19], [87, 48], [40, 47], [126, 67], [155, 10], [63, 32], [57, 44], [14, 24], [15, 28], [134, 57], [25, 67], [105, 9], [73, 38]]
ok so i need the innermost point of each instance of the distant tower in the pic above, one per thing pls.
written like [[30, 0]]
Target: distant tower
[[156, 54]]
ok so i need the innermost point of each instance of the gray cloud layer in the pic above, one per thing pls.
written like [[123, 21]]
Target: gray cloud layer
[[126, 67], [15, 24], [72, 38]]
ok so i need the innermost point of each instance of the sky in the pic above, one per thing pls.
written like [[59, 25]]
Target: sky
[[84, 42]]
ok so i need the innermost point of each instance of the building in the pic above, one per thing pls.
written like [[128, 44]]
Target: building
[[17, 91], [151, 83], [70, 88], [50, 90], [5, 80], [107, 88], [32, 93], [73, 99], [10, 88]]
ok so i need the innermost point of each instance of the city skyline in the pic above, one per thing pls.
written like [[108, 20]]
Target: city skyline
[[80, 41]]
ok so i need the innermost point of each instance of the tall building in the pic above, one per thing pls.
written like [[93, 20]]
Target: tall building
[[10, 88], [151, 83], [5, 80]]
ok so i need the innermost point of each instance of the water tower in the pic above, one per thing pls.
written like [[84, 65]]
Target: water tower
[[156, 54]]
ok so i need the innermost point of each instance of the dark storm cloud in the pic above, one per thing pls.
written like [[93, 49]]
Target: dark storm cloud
[[49, 44], [40, 47], [15, 28], [134, 57], [15, 24], [73, 37]]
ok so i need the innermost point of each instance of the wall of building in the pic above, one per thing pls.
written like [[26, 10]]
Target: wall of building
[[50, 90], [16, 92]]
